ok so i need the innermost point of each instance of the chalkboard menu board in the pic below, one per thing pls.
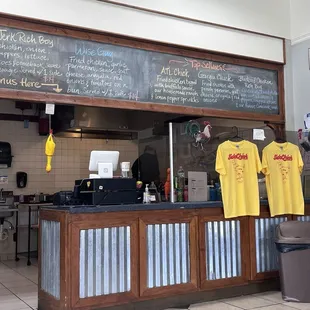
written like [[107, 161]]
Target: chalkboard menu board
[[42, 62]]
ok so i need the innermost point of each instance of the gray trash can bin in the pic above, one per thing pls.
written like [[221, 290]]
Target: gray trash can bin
[[293, 244]]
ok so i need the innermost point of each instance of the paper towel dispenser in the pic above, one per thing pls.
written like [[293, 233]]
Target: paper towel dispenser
[[5, 155]]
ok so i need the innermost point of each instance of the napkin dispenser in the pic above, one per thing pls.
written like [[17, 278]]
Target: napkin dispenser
[[5, 155]]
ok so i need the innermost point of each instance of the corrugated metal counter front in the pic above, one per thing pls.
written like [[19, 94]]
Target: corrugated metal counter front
[[123, 254]]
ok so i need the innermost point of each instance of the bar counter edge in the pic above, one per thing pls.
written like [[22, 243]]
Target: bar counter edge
[[140, 207], [153, 256]]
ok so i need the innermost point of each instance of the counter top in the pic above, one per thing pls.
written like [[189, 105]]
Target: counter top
[[142, 207], [9, 210]]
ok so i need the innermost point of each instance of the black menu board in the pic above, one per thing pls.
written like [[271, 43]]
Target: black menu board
[[42, 62]]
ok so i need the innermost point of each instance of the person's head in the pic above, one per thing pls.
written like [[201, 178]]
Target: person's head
[[150, 150]]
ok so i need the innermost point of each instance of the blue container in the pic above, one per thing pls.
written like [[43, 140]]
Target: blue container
[[213, 194]]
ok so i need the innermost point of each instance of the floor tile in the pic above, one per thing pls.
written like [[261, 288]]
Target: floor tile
[[18, 288], [296, 305], [27, 273], [30, 291], [32, 302], [271, 296], [9, 274], [13, 264], [4, 292], [249, 302], [213, 306], [9, 299], [14, 305], [4, 268], [277, 307], [34, 279], [21, 289], [26, 268], [10, 277], [22, 283]]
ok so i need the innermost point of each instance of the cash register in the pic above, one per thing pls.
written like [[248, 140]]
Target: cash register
[[103, 188]]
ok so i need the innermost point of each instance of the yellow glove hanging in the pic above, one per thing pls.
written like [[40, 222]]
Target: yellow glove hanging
[[49, 151]]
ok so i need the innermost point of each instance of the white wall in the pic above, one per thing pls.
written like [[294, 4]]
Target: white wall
[[264, 16], [300, 34], [271, 17], [288, 89], [300, 22], [301, 81]]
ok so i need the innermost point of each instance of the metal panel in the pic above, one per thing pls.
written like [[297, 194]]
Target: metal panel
[[305, 218], [223, 250], [50, 258], [168, 258], [266, 253], [104, 261]]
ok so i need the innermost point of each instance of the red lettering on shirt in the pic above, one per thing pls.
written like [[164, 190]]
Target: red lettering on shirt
[[283, 157], [239, 156]]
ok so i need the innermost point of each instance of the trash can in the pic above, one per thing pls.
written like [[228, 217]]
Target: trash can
[[293, 243]]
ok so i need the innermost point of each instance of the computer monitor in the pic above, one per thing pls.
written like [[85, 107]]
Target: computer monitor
[[105, 162]]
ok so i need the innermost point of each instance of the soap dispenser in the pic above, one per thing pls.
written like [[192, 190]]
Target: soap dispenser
[[21, 179], [146, 194]]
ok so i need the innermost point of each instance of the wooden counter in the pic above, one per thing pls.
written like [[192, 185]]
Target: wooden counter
[[97, 257]]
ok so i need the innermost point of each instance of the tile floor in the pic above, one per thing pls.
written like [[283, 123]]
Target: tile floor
[[263, 301], [19, 291], [18, 285]]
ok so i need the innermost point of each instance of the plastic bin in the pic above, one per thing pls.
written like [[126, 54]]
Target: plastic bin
[[293, 243]]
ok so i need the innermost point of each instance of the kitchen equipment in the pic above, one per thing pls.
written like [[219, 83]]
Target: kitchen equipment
[[6, 203], [63, 198], [197, 186], [106, 191], [46, 198], [21, 179], [153, 192], [37, 197]]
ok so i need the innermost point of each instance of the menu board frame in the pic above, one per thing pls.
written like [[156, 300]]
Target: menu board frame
[[68, 31]]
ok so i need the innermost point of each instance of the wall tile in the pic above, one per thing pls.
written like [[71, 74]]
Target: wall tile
[[70, 161]]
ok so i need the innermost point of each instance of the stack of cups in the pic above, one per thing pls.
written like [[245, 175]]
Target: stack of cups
[[125, 167]]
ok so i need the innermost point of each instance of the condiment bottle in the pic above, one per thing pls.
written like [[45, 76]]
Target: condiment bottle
[[181, 178], [167, 185], [186, 193], [213, 192], [179, 195]]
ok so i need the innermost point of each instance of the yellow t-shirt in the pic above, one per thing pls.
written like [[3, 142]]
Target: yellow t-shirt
[[282, 165], [238, 164]]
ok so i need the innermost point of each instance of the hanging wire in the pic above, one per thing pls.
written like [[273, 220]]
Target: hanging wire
[[50, 124]]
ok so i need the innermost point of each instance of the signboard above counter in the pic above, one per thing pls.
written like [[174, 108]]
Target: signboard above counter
[[55, 65]]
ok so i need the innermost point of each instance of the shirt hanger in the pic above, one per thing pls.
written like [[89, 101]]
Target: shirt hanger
[[236, 137], [279, 138]]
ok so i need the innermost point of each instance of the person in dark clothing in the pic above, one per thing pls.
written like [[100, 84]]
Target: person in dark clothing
[[146, 167]]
